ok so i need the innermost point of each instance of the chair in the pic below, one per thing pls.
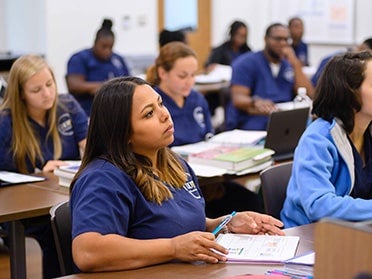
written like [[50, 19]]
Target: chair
[[61, 225], [274, 181]]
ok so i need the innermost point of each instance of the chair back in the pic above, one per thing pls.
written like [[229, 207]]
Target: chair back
[[61, 225], [274, 182]]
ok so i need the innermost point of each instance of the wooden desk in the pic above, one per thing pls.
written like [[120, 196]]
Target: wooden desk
[[206, 88], [202, 270], [351, 240], [21, 202], [51, 184]]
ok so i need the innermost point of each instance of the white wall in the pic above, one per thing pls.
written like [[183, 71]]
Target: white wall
[[58, 28], [3, 35], [24, 26], [257, 14], [72, 25]]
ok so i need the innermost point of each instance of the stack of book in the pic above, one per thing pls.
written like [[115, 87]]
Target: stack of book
[[67, 173], [234, 159]]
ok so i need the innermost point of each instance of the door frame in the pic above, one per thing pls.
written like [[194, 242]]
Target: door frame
[[200, 39]]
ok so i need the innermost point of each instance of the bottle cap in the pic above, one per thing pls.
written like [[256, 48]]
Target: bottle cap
[[301, 91]]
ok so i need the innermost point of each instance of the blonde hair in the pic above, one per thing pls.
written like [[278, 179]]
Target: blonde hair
[[168, 55], [25, 143]]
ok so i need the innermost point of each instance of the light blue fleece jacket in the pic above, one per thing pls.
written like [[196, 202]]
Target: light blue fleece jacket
[[322, 178]]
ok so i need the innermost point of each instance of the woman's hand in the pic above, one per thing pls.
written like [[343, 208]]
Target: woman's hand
[[53, 164], [255, 223], [197, 246]]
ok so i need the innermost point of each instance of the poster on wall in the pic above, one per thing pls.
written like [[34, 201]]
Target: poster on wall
[[325, 21]]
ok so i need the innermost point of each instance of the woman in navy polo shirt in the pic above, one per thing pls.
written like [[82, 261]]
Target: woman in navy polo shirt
[[134, 202], [173, 76], [38, 129], [89, 68]]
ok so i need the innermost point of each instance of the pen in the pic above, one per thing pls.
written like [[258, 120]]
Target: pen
[[224, 223]]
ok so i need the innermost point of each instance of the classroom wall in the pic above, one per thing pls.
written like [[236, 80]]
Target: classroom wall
[[258, 15], [23, 27], [2, 27], [72, 25], [58, 28]]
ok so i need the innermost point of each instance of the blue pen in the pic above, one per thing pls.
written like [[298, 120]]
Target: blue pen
[[224, 223]]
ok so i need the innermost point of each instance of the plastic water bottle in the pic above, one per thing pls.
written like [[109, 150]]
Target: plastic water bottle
[[302, 100]]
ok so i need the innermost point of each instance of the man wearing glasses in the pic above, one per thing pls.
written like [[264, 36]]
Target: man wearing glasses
[[261, 79]]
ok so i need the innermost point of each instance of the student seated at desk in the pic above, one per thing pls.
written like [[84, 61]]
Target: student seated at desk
[[225, 54], [231, 49], [38, 129], [296, 30], [261, 79], [167, 36], [134, 202], [89, 68], [173, 76], [332, 168], [365, 45]]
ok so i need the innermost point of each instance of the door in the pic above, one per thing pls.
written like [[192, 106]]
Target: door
[[200, 39]]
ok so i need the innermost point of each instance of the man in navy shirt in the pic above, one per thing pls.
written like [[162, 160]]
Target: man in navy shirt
[[261, 79], [296, 29]]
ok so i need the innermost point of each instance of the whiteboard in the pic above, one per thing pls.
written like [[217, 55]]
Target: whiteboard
[[325, 21]]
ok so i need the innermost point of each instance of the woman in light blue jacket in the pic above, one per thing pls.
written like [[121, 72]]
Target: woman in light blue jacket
[[332, 169]]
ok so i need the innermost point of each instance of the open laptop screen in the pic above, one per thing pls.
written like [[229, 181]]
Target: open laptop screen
[[284, 130]]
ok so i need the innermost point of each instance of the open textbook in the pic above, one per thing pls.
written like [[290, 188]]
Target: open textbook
[[258, 248]]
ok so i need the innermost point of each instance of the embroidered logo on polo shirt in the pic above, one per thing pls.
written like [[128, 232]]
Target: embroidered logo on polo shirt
[[288, 74], [191, 188], [65, 125], [117, 63], [199, 116]]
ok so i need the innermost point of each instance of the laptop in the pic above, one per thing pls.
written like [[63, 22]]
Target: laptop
[[284, 130]]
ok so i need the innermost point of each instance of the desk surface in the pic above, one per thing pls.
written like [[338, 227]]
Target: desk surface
[[205, 271], [22, 201], [206, 88], [31, 199], [50, 184]]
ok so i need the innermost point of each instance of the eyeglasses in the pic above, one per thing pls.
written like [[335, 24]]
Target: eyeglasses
[[280, 39]]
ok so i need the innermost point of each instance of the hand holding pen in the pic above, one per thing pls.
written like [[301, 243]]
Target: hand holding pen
[[251, 223], [224, 222]]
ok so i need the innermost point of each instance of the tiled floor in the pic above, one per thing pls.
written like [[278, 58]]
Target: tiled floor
[[33, 260]]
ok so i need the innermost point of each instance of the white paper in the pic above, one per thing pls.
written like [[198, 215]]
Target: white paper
[[258, 248], [207, 171], [220, 73], [13, 177], [307, 259], [239, 137], [72, 167]]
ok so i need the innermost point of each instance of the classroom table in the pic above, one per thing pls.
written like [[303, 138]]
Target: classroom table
[[18, 202], [206, 88], [29, 200], [203, 270]]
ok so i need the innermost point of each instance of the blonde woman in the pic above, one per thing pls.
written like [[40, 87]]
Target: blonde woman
[[38, 129], [38, 126], [173, 77]]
